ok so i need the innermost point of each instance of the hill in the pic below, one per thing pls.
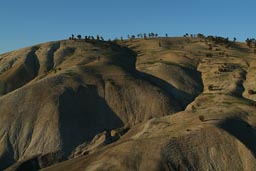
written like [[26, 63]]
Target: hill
[[158, 104]]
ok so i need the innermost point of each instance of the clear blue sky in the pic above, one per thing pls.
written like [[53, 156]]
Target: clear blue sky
[[28, 22]]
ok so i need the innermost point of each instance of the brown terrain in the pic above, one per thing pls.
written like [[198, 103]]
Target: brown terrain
[[169, 104]]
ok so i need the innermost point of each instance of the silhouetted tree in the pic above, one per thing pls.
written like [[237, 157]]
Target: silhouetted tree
[[145, 36], [234, 39], [186, 35], [199, 35], [250, 42], [79, 36]]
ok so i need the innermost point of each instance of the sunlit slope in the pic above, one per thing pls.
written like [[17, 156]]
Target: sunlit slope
[[155, 104]]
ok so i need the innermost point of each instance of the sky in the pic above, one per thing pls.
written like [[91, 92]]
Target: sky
[[28, 22]]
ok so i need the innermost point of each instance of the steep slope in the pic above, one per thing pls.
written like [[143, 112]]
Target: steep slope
[[215, 132], [156, 104], [77, 89]]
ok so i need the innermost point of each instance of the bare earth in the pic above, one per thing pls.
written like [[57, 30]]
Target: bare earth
[[128, 106]]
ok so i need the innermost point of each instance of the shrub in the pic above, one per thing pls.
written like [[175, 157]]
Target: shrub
[[209, 55], [201, 118], [210, 46], [251, 92]]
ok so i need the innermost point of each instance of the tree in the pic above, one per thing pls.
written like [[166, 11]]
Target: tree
[[234, 39], [72, 36], [145, 36], [79, 36], [186, 35]]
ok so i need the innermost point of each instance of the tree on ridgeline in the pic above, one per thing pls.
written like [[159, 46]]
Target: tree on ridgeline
[[145, 36], [79, 36], [200, 35]]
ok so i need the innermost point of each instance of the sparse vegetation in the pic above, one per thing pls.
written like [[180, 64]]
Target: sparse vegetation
[[106, 84], [201, 118], [251, 92], [209, 55]]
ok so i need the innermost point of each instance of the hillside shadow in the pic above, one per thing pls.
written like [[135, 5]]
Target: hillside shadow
[[242, 131], [240, 48], [182, 97], [127, 59], [7, 157], [29, 165], [23, 74], [83, 114]]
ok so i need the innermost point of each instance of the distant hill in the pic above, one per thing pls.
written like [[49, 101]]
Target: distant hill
[[177, 103]]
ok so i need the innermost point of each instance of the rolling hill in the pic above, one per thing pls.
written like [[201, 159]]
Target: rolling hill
[[180, 103]]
